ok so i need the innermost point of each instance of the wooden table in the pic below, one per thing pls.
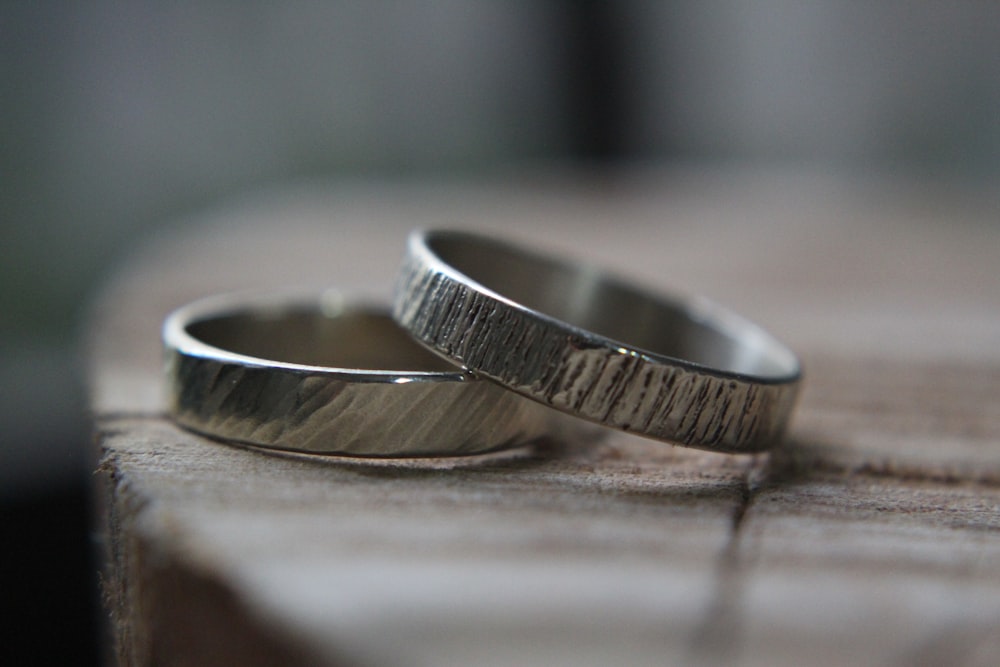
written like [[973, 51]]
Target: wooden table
[[871, 538]]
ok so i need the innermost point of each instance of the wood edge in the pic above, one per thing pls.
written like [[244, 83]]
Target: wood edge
[[164, 608]]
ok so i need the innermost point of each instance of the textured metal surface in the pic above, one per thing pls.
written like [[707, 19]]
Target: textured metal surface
[[421, 406], [723, 384]]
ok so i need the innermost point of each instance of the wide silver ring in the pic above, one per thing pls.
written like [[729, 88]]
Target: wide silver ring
[[577, 339], [318, 374]]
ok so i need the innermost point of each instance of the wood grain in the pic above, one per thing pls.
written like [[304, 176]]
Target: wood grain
[[871, 538]]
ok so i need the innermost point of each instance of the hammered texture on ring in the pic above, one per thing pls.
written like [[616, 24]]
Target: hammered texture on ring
[[576, 339], [315, 374]]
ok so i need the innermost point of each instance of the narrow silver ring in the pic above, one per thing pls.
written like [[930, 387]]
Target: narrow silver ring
[[316, 374], [576, 339]]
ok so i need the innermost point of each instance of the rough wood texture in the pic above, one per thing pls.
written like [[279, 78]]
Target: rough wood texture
[[871, 538]]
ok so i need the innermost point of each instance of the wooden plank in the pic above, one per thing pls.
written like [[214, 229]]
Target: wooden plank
[[872, 537]]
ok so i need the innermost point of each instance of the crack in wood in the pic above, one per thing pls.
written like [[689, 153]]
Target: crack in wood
[[717, 637]]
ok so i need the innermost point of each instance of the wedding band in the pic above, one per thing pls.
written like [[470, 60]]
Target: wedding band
[[316, 374], [574, 338]]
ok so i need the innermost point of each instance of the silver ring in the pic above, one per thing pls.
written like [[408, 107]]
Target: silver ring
[[574, 338], [316, 374]]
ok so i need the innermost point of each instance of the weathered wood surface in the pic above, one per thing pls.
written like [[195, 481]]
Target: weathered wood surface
[[871, 538]]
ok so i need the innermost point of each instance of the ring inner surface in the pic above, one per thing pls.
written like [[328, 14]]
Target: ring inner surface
[[350, 340], [589, 300]]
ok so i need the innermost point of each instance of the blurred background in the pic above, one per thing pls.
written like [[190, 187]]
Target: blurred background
[[118, 117]]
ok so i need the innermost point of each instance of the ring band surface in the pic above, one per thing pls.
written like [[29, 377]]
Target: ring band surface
[[571, 337], [313, 374]]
